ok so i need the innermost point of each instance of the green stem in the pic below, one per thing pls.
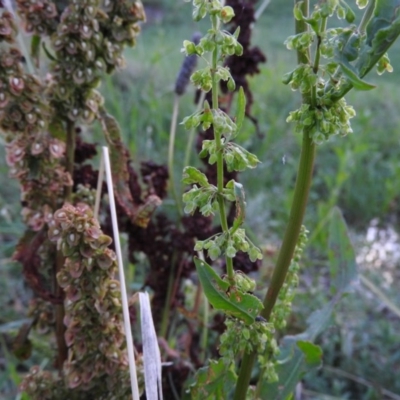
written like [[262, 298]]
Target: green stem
[[318, 51], [366, 17], [299, 202], [192, 132], [171, 147], [219, 150]]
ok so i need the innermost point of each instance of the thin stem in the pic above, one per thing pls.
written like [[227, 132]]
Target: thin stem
[[167, 307], [261, 9], [292, 232], [219, 150], [318, 51], [192, 132], [204, 333], [59, 311], [70, 156], [59, 308], [366, 17], [171, 148]]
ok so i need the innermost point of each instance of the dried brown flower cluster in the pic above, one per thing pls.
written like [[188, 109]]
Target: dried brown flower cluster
[[93, 313], [97, 365], [88, 41], [35, 158], [40, 17]]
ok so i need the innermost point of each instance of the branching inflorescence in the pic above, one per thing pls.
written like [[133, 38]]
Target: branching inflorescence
[[39, 119], [231, 294]]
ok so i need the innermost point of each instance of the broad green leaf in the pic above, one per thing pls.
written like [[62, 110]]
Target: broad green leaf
[[343, 267], [193, 175], [357, 82], [382, 31], [214, 382], [312, 353], [226, 298], [241, 109]]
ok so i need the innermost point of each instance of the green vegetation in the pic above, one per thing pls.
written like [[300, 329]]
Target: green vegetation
[[360, 174]]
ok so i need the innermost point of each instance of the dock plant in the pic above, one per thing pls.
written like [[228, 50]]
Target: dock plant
[[49, 103], [331, 62]]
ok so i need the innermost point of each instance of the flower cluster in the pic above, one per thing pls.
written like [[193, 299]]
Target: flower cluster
[[323, 116], [323, 122], [40, 17], [258, 337], [43, 385], [93, 312], [286, 295], [35, 158], [89, 40], [8, 29]]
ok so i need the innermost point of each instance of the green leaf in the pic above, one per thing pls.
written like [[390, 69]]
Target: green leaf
[[193, 175], [361, 3], [48, 54], [35, 49], [56, 129], [343, 267], [240, 205], [241, 109], [214, 382], [356, 81], [243, 306], [382, 31], [312, 353]]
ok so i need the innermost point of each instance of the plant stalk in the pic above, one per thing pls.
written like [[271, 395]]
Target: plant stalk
[[299, 202], [171, 158], [219, 149], [59, 308]]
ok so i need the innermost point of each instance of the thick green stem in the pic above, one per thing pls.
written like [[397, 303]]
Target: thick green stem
[[285, 254], [299, 202], [219, 149]]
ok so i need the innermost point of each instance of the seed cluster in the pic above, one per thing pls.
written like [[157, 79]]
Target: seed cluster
[[92, 298], [89, 41], [40, 17], [35, 158]]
